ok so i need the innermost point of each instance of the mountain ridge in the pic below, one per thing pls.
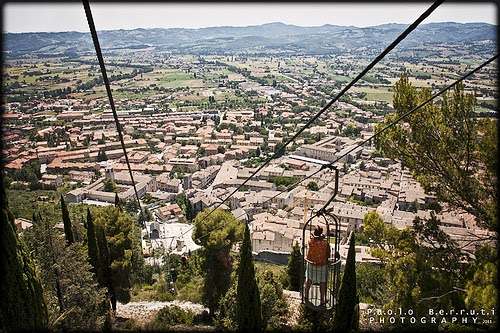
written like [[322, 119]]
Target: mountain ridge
[[275, 36]]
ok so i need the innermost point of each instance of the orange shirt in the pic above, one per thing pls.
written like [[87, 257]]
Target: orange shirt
[[318, 251]]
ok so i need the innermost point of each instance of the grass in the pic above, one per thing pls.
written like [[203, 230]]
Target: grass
[[372, 94], [191, 83], [142, 293], [177, 77], [339, 78], [383, 96]]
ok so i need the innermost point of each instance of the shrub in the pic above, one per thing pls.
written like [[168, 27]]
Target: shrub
[[170, 316], [191, 291]]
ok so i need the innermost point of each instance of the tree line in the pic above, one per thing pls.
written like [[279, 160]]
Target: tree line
[[82, 270]]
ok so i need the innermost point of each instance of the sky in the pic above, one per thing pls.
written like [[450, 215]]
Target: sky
[[70, 16]]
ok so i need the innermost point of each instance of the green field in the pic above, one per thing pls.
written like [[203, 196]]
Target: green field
[[194, 82], [372, 94]]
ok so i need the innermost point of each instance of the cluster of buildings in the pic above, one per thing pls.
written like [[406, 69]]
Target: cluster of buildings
[[276, 214], [201, 155]]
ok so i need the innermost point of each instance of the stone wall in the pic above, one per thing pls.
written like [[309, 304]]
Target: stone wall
[[280, 258]]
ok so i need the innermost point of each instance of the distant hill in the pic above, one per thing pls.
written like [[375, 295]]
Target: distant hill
[[272, 37]]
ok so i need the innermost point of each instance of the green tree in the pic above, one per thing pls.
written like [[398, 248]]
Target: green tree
[[482, 292], [225, 319], [118, 228], [347, 308], [283, 181], [274, 305], [102, 140], [101, 155], [279, 149], [217, 233], [68, 232], [293, 268], [35, 167], [75, 300], [170, 316], [201, 151], [92, 249], [190, 215], [371, 283], [23, 307], [118, 202], [104, 264], [98, 255], [423, 268], [380, 235], [449, 150], [139, 271], [351, 130], [46, 255], [257, 152], [110, 186], [312, 186], [248, 306]]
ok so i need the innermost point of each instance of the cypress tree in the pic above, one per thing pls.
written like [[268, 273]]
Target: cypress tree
[[104, 278], [248, 306], [293, 268], [77, 301], [98, 252], [44, 228], [189, 210], [22, 304], [67, 222], [118, 203], [92, 248], [52, 252], [347, 309]]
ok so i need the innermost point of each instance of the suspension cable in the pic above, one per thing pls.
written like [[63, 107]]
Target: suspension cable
[[95, 39]]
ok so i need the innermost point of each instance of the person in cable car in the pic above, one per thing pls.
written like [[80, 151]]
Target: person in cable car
[[316, 263]]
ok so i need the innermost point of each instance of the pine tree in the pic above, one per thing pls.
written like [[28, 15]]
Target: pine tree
[[293, 268], [248, 306], [67, 222], [216, 234], [448, 130], [347, 309], [22, 304]]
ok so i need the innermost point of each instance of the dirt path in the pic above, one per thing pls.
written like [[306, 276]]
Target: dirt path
[[143, 311], [294, 301]]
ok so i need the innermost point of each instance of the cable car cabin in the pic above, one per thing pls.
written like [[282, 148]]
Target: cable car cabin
[[320, 269]]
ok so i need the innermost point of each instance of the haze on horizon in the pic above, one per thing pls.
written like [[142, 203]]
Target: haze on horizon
[[58, 17]]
